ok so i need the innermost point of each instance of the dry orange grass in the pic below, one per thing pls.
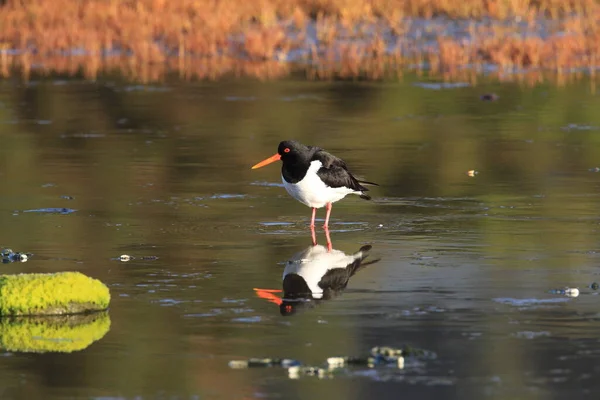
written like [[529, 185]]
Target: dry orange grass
[[207, 39]]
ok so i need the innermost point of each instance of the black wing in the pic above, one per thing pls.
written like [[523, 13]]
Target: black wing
[[334, 172], [335, 279]]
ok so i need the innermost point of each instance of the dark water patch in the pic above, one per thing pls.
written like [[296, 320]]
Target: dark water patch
[[249, 320], [531, 334], [416, 311], [63, 211], [267, 184], [142, 88], [234, 301], [530, 302], [302, 97], [126, 258], [277, 223], [228, 196], [170, 302], [489, 97], [579, 127], [239, 98], [441, 85], [83, 135], [467, 204], [212, 313]]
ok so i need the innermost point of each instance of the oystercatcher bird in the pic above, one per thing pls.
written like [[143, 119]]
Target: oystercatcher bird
[[314, 177], [315, 274]]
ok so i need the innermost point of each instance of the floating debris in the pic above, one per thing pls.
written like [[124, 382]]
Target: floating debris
[[67, 197], [378, 356], [567, 291], [472, 172], [572, 292], [489, 97], [595, 169], [127, 257], [371, 362], [9, 256], [264, 362], [296, 371], [62, 210], [594, 286], [387, 351]]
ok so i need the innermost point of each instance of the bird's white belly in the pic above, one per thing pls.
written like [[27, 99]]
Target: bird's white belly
[[315, 263], [312, 191]]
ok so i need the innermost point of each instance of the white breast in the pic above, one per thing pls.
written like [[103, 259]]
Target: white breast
[[311, 190], [314, 262]]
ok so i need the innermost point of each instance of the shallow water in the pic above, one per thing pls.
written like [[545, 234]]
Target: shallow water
[[467, 263]]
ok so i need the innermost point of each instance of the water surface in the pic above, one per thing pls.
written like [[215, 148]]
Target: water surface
[[92, 171]]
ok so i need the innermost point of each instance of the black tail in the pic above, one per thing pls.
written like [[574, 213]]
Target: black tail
[[368, 183], [359, 263], [363, 189]]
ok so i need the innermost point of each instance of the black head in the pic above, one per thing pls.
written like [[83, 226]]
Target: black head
[[290, 307], [292, 152]]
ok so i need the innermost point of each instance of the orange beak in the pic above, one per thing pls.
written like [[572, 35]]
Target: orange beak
[[268, 294], [267, 161]]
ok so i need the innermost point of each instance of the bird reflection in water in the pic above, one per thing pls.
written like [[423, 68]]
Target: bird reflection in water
[[315, 274]]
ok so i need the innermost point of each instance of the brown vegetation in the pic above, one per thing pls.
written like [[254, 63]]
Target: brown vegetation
[[206, 39]]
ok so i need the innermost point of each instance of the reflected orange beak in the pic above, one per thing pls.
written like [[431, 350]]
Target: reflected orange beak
[[268, 161], [268, 294]]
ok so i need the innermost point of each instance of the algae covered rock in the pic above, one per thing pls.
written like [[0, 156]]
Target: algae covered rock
[[63, 334], [51, 294]]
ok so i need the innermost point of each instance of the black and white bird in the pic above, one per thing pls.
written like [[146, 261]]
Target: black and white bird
[[315, 177], [316, 274]]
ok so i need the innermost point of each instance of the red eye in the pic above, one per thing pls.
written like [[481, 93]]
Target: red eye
[[286, 150]]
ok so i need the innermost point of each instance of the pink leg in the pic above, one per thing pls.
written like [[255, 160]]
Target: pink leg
[[327, 215], [329, 245], [312, 221], [314, 235]]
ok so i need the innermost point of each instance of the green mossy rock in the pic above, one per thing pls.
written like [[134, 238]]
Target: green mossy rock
[[51, 294], [62, 334]]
